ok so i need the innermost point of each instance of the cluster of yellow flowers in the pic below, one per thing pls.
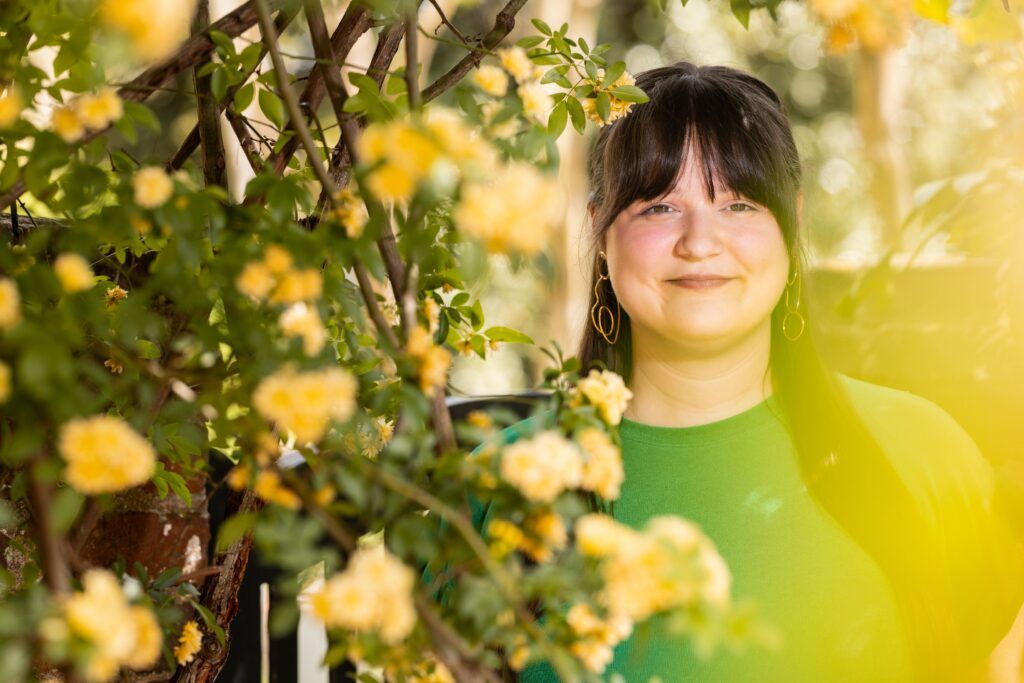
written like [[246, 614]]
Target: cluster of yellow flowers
[[516, 208], [670, 564], [619, 108], [152, 187], [542, 535], [11, 104], [404, 153], [121, 634], [189, 642], [428, 670], [267, 483], [10, 303], [514, 61], [872, 25], [350, 211], [304, 403], [89, 111], [543, 466], [303, 320], [596, 637], [154, 27], [115, 295], [606, 391], [74, 273], [372, 594], [275, 276], [358, 441], [434, 360], [104, 454]]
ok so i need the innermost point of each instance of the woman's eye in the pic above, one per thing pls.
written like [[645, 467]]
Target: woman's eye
[[656, 206], [742, 208]]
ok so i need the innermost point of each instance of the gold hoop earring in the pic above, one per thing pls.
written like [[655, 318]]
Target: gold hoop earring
[[598, 311], [793, 323]]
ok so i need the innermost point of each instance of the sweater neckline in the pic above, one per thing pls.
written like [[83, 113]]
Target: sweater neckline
[[742, 422]]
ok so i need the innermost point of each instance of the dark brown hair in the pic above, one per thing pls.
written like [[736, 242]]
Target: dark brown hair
[[744, 140]]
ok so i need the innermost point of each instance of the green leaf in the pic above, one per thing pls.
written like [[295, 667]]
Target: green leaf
[[177, 484], [223, 42], [147, 349], [272, 107], [612, 73], [210, 621], [542, 26], [557, 119], [64, 509], [142, 115], [629, 93], [604, 105], [530, 41], [579, 118], [233, 528], [741, 9], [167, 577], [507, 334], [591, 68], [584, 46], [219, 84]]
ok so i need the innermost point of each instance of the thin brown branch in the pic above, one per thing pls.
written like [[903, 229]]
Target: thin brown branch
[[411, 60], [245, 141], [191, 52], [51, 553], [356, 21], [191, 141], [503, 25], [450, 648], [446, 22], [211, 145]]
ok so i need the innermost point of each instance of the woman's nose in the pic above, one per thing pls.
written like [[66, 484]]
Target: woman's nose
[[698, 236]]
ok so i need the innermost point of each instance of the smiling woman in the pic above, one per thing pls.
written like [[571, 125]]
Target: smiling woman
[[862, 520]]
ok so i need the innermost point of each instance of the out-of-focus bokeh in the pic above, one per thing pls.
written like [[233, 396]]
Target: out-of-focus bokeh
[[909, 117]]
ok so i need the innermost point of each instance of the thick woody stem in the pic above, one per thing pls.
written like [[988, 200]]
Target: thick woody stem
[[411, 52], [210, 143], [191, 141]]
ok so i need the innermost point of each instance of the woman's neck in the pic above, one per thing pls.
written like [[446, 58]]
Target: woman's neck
[[673, 387]]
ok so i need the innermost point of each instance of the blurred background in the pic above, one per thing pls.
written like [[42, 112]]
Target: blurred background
[[909, 117]]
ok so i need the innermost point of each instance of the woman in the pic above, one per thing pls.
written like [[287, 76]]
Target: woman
[[861, 519]]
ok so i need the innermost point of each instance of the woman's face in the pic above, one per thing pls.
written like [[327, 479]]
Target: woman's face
[[693, 272]]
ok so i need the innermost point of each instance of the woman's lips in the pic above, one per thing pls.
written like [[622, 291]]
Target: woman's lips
[[701, 282]]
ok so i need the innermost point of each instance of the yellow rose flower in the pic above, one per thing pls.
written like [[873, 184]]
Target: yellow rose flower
[[148, 639], [298, 285], [115, 295], [373, 593], [491, 79], [277, 259], [11, 104], [65, 122], [268, 486], [189, 642], [433, 369], [542, 467], [10, 303], [155, 27], [305, 402], [152, 187], [516, 209], [98, 110], [516, 62], [74, 273], [300, 320], [602, 470], [606, 391], [536, 101], [255, 281], [104, 455]]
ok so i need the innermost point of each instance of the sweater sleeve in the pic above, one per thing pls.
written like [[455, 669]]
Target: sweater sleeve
[[955, 486]]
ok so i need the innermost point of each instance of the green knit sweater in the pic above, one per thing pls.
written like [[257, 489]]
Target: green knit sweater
[[738, 478]]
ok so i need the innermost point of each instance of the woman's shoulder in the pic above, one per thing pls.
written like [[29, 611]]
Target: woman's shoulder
[[921, 438]]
